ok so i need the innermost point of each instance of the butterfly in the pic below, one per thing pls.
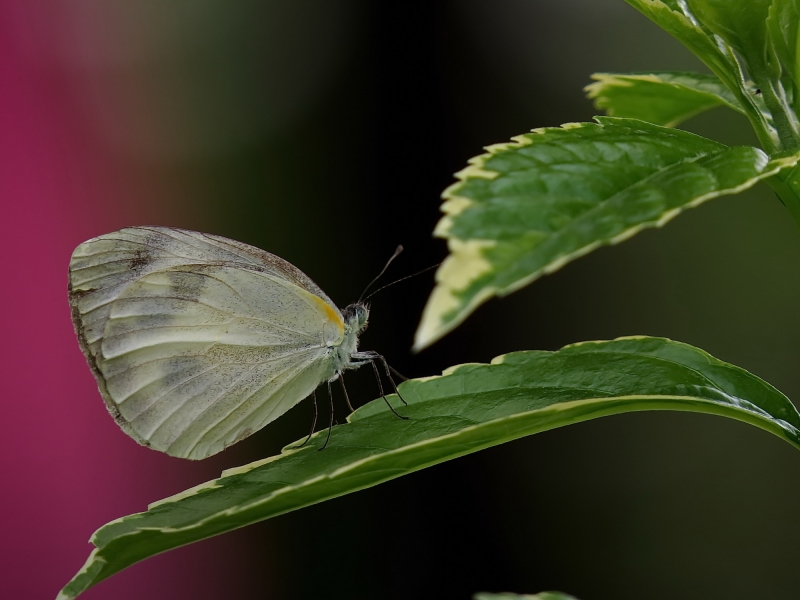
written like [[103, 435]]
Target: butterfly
[[198, 341]]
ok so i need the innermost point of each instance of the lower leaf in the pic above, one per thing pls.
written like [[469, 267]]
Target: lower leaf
[[468, 408]]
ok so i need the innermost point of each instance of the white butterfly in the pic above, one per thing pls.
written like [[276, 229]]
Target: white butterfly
[[198, 341]]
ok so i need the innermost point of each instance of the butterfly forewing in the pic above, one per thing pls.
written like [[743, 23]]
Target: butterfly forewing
[[197, 341]]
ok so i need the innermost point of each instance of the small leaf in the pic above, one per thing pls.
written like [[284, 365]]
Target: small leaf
[[527, 208], [674, 18], [469, 408], [740, 23], [664, 98], [510, 596], [678, 19], [782, 29]]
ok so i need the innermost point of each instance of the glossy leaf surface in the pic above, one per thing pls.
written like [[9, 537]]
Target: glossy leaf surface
[[782, 28], [664, 98], [741, 23], [469, 408], [678, 18], [674, 18], [527, 208]]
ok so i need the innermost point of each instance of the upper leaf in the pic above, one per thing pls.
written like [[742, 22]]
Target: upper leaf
[[527, 208], [469, 408], [664, 98]]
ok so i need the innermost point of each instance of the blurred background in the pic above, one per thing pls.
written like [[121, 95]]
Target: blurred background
[[324, 131]]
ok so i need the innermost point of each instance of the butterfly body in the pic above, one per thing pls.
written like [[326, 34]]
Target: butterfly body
[[197, 341]]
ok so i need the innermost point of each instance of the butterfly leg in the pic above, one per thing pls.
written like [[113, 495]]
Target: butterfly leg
[[346, 397], [314, 422], [396, 372], [389, 375], [380, 389], [330, 426], [371, 356]]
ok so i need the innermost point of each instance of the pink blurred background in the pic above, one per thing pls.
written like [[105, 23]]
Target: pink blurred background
[[65, 466]]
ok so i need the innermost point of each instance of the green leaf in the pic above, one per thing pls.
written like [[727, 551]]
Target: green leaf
[[740, 23], [743, 25], [510, 596], [782, 33], [782, 28], [676, 18], [469, 408], [529, 207], [664, 98]]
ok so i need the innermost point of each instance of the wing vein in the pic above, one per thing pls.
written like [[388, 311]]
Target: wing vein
[[217, 308], [210, 428], [220, 363], [166, 417]]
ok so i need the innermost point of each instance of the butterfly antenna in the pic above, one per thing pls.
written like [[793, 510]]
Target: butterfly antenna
[[426, 269], [397, 252]]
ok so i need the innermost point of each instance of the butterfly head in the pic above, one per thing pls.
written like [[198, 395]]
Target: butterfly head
[[356, 316]]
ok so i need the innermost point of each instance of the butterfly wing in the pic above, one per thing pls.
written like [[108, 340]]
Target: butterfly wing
[[197, 341], [101, 267]]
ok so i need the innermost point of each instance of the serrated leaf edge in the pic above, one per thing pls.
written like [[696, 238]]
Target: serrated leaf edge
[[95, 558], [749, 415], [603, 81], [465, 257]]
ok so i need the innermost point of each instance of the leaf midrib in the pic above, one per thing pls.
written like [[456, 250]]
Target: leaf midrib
[[337, 472], [604, 202]]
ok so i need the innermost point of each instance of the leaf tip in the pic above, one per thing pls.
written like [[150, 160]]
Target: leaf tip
[[448, 306], [85, 578]]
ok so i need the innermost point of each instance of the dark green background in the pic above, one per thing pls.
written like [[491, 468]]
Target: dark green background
[[324, 131]]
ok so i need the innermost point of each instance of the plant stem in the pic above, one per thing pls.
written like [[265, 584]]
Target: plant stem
[[782, 116], [787, 186]]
